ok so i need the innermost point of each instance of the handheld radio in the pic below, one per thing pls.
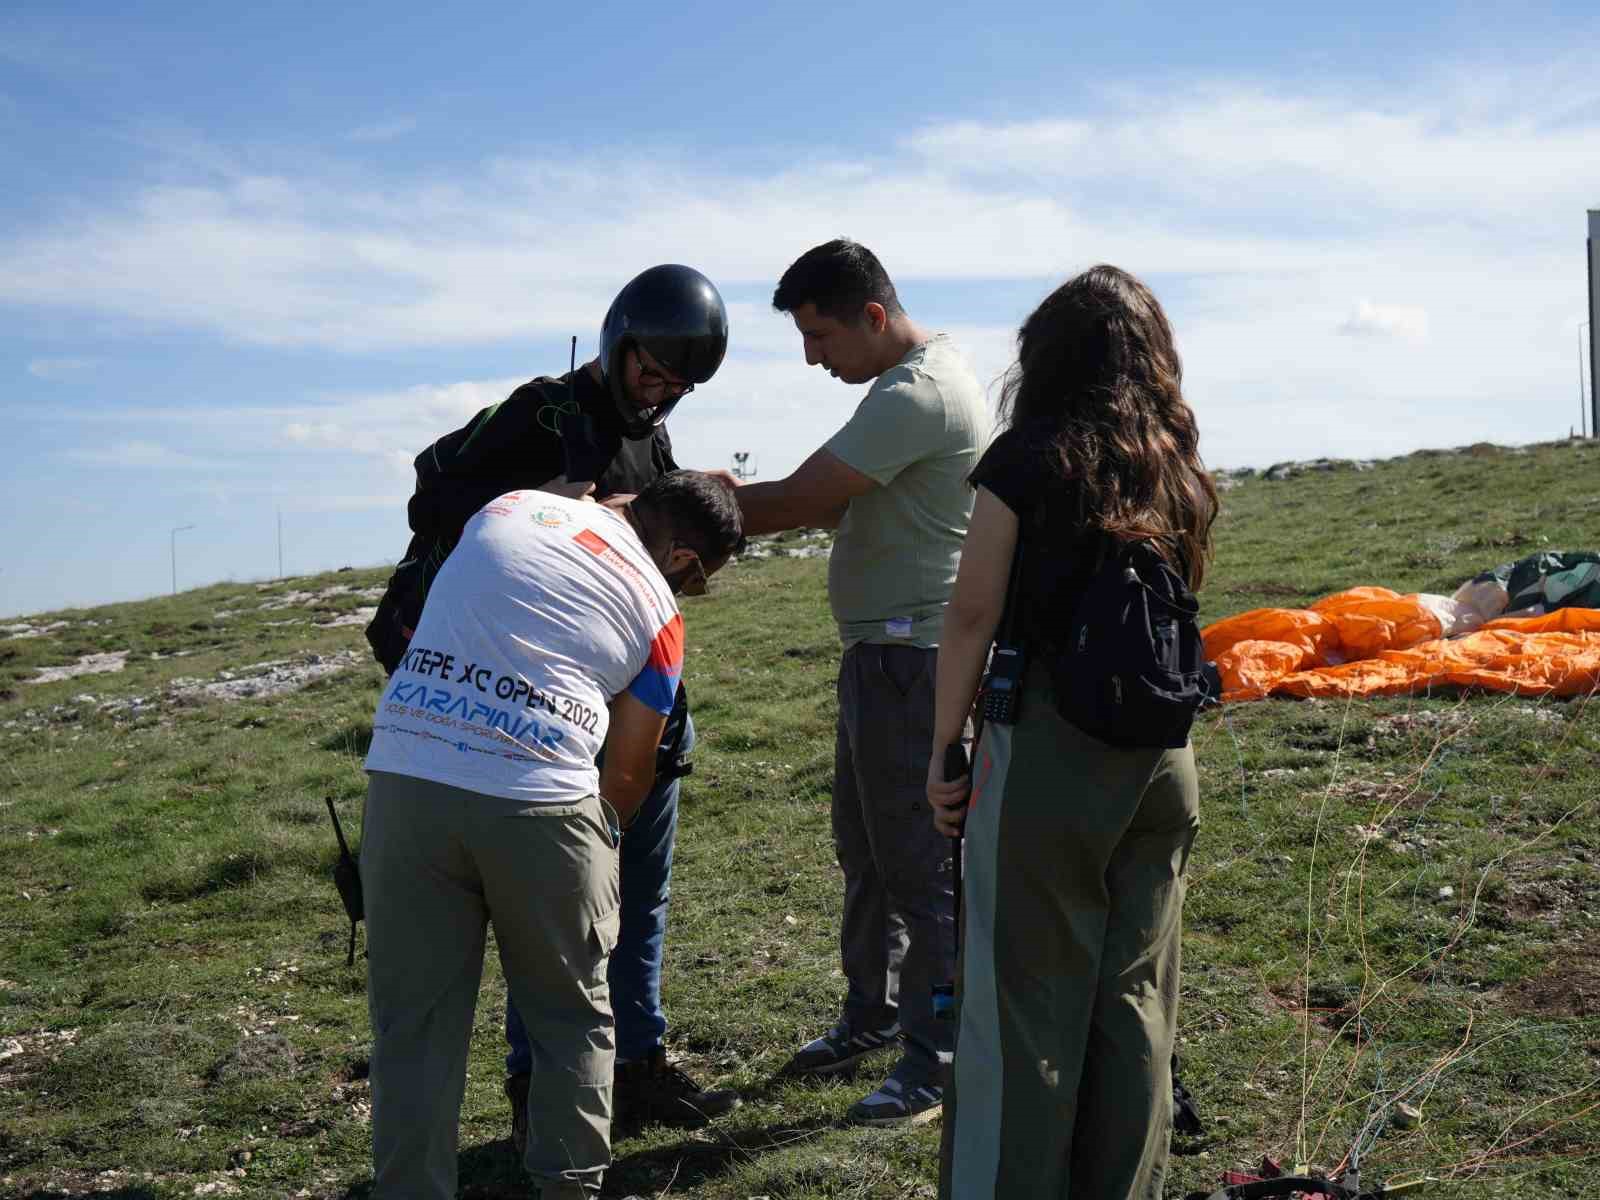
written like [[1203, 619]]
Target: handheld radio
[[1001, 697], [347, 878]]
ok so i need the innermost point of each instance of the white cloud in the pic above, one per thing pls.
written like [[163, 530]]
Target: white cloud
[[1386, 320], [1260, 213], [391, 427], [58, 368], [1195, 180]]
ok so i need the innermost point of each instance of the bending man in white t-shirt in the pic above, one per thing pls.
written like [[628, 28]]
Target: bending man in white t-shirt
[[550, 632]]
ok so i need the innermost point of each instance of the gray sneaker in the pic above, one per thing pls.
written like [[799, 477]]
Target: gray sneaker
[[895, 1104], [839, 1050]]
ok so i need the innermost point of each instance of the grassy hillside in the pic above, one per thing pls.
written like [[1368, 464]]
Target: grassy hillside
[[1390, 901]]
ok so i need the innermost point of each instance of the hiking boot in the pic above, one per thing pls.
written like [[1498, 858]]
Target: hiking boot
[[839, 1050], [895, 1104], [561, 1190], [517, 1093], [652, 1091]]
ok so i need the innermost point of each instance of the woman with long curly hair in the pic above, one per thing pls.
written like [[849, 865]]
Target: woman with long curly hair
[[1075, 849]]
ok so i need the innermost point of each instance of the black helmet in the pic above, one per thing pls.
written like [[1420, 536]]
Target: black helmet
[[677, 315]]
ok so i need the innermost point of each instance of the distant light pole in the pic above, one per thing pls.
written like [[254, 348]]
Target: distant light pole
[[179, 529], [1583, 407], [1592, 247]]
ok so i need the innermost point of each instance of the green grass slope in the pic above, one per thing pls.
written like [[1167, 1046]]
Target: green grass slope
[[1392, 901]]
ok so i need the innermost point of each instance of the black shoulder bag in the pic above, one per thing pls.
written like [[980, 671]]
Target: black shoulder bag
[[1131, 670]]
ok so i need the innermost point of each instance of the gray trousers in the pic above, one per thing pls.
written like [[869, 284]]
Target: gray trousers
[[898, 936], [437, 864]]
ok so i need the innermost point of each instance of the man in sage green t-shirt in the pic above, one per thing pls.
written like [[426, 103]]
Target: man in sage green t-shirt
[[893, 480]]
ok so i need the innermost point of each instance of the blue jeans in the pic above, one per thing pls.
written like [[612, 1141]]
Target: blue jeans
[[634, 972]]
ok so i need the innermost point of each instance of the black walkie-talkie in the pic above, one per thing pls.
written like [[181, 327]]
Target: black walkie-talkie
[[586, 448], [1002, 686], [347, 878]]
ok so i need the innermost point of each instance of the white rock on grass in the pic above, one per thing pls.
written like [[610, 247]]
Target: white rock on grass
[[291, 598], [360, 616], [260, 680], [24, 630], [89, 664]]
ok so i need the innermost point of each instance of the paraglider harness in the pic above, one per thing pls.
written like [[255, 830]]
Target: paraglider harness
[[1237, 1185]]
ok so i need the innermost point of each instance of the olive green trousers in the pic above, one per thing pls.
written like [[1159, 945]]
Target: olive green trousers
[[1068, 987]]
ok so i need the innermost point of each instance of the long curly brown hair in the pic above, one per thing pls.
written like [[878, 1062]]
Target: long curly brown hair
[[1098, 376]]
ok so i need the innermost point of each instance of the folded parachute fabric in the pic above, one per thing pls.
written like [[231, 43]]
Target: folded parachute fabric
[[1370, 641]]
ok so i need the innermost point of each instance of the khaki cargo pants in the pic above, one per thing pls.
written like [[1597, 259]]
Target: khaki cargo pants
[[1072, 923], [437, 864]]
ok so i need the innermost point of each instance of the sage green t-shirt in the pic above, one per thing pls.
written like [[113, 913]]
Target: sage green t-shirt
[[917, 434]]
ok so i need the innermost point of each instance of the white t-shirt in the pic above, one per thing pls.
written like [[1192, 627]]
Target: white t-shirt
[[545, 611]]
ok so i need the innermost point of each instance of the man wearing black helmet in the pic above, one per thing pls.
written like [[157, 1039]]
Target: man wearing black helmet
[[597, 430]]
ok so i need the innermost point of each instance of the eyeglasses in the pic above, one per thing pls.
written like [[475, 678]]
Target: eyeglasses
[[652, 376], [693, 580]]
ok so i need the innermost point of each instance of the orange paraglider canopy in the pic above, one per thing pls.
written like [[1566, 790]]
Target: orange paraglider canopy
[[1370, 641]]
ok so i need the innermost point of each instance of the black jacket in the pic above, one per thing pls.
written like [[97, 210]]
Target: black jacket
[[547, 427]]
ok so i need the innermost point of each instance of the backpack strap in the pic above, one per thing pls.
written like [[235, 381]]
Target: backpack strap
[[1006, 634]]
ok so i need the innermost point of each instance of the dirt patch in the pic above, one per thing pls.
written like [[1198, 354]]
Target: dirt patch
[[64, 1183], [269, 1056], [1384, 789], [1567, 986], [1554, 891], [1424, 722], [24, 1054]]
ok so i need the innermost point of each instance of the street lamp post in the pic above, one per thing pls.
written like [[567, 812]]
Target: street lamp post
[[176, 531], [1583, 407], [1593, 248]]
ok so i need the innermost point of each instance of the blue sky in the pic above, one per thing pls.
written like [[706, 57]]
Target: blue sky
[[253, 259]]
